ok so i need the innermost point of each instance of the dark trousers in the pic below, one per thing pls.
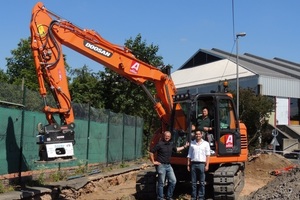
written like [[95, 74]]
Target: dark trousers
[[198, 174]]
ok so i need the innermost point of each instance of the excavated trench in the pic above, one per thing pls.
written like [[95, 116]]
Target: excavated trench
[[284, 186], [120, 184]]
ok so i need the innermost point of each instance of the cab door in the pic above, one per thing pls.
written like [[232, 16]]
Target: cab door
[[228, 138]]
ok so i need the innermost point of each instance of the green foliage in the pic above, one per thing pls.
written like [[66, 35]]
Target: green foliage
[[103, 89], [41, 179], [123, 96], [11, 93], [21, 65], [15, 94], [58, 176], [144, 52], [254, 112], [81, 167], [21, 68], [83, 87], [106, 89], [124, 165], [4, 188], [3, 76]]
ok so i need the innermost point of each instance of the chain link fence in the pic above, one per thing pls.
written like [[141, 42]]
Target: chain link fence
[[102, 137]]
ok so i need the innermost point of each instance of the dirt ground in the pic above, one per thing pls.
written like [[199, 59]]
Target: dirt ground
[[259, 183]]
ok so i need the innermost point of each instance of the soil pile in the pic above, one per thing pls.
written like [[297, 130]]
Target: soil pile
[[284, 185], [261, 165]]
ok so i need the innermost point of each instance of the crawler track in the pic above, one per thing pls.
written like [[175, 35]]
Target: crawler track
[[228, 182]]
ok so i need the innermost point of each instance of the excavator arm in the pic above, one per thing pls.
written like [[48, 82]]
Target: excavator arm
[[49, 32]]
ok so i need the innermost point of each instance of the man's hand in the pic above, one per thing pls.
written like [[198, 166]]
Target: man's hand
[[206, 167], [186, 145], [156, 163], [207, 129], [188, 168]]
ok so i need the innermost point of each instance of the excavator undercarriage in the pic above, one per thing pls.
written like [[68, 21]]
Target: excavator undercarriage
[[226, 183]]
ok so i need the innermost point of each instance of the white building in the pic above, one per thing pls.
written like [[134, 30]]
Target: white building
[[276, 78]]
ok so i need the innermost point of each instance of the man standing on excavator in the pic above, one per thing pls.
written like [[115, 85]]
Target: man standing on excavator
[[198, 164], [164, 150]]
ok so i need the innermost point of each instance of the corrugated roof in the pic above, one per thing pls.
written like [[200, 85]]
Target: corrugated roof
[[277, 76], [271, 67], [207, 73]]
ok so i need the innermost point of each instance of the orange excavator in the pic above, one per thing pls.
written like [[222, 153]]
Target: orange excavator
[[177, 111]]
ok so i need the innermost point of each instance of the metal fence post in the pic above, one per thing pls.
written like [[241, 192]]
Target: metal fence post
[[22, 132], [88, 137], [107, 142], [135, 135], [123, 130]]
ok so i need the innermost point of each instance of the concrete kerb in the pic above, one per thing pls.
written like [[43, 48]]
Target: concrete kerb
[[24, 193]]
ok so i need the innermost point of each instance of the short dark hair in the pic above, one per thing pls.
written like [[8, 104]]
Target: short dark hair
[[205, 107], [198, 130]]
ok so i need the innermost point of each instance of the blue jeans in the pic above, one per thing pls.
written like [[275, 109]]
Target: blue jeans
[[198, 174], [165, 172]]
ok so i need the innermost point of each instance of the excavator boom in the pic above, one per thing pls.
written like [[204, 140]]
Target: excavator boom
[[49, 32]]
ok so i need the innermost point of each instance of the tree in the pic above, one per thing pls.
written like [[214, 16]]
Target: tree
[[3, 76], [20, 68], [122, 95], [83, 87], [255, 110], [148, 54], [21, 65]]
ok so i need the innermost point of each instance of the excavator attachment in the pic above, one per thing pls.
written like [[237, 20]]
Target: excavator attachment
[[56, 143]]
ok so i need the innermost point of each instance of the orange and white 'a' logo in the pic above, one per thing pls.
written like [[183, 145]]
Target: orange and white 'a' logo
[[134, 67], [229, 141]]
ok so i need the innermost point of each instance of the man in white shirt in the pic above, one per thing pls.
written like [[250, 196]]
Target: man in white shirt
[[198, 163]]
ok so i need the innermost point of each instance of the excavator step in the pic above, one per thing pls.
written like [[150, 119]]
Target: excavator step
[[223, 180], [224, 197], [226, 171]]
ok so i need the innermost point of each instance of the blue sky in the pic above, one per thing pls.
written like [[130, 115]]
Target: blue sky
[[179, 28]]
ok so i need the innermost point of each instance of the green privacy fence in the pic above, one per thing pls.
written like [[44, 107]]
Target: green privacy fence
[[101, 137]]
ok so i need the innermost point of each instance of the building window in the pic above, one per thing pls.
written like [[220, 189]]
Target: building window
[[295, 111]]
